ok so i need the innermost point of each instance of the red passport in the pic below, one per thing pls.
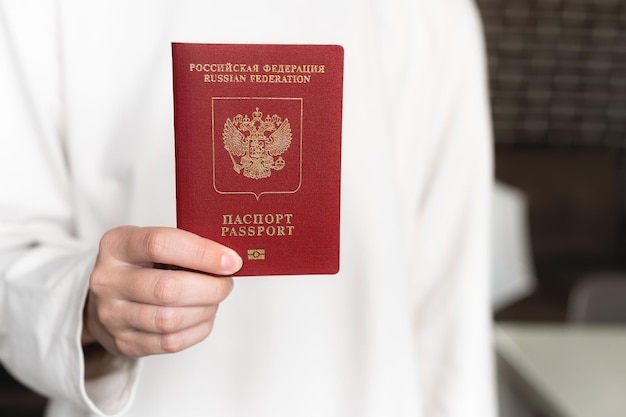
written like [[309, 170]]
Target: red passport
[[258, 152]]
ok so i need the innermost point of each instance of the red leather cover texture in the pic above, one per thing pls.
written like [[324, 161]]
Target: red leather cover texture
[[258, 152]]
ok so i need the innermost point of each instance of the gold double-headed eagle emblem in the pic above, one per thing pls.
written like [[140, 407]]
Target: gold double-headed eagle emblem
[[257, 141]]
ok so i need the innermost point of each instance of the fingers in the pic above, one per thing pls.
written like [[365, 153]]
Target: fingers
[[134, 309], [135, 344], [136, 245], [156, 319], [170, 288], [137, 329]]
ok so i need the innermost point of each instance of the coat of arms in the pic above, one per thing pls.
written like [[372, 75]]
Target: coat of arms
[[257, 142]]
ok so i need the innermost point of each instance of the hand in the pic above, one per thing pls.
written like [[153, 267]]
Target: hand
[[134, 309]]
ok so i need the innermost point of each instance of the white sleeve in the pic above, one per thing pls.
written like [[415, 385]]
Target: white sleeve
[[450, 250], [44, 265]]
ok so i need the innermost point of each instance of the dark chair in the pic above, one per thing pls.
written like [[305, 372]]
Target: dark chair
[[598, 298]]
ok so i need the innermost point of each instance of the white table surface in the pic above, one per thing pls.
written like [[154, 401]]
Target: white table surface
[[573, 370]]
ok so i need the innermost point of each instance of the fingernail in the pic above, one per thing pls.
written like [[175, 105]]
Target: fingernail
[[231, 262]]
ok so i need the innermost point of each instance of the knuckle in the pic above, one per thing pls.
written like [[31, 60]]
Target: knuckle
[[111, 239], [125, 345], [210, 312], [167, 320], [172, 342], [106, 315], [202, 255], [154, 244], [108, 239], [166, 290], [97, 281], [222, 287], [208, 328]]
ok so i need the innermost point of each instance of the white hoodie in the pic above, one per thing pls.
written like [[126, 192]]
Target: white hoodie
[[86, 144]]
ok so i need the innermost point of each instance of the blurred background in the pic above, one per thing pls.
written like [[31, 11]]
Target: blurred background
[[557, 72], [558, 90]]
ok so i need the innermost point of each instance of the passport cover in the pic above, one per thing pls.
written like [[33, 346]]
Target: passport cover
[[258, 152]]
